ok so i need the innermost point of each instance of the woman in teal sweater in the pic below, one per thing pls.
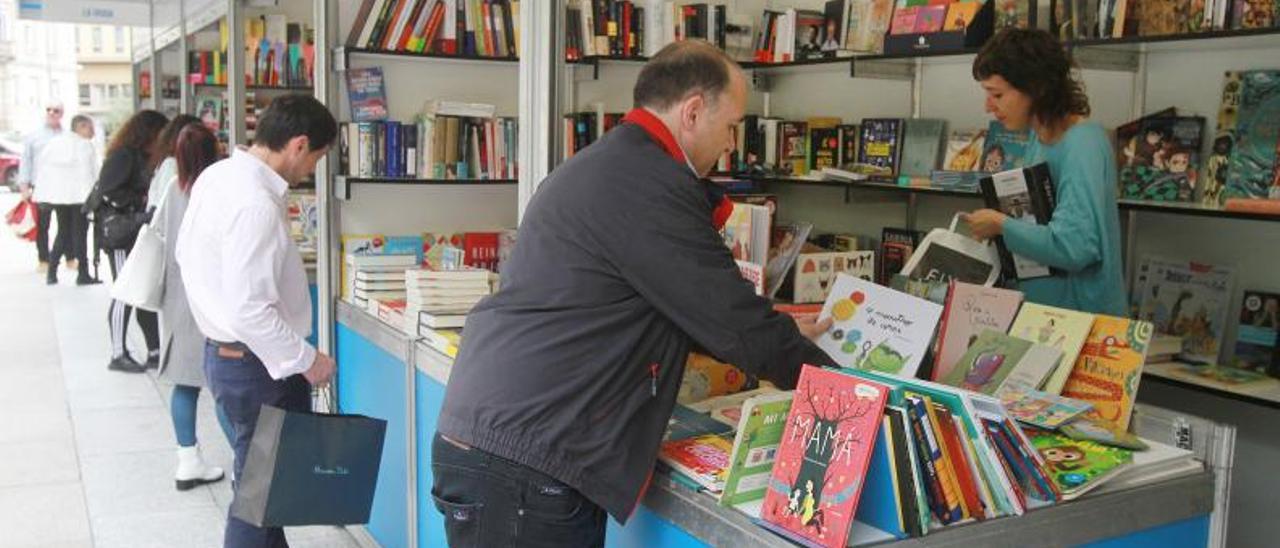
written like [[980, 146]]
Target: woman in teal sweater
[[1028, 80]]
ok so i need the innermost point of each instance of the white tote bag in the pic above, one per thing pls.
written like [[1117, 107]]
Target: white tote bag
[[140, 282], [946, 254]]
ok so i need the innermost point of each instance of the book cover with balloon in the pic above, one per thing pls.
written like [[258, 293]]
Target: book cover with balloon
[[822, 460], [877, 328], [1109, 368]]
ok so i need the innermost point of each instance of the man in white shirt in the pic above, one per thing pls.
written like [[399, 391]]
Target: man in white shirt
[[246, 284], [29, 168], [66, 173]]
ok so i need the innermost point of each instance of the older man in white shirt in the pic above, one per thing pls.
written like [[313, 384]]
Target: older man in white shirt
[[246, 284], [68, 169], [32, 145]]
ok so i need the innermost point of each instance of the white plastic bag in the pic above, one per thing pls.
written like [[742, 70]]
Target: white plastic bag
[[945, 255]]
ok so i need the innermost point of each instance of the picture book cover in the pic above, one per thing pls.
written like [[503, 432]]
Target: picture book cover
[[755, 447], [1003, 149], [1186, 299], [1104, 433], [1035, 367], [824, 148], [896, 247], [706, 377], [1041, 409], [960, 14], [904, 20], [686, 423], [984, 366], [930, 18], [703, 459], [971, 309], [875, 24], [881, 142], [922, 144], [1251, 169], [786, 243], [1014, 14], [1026, 195], [1162, 162], [1063, 329], [848, 134], [1076, 466], [964, 147], [822, 460], [728, 408], [368, 94], [1218, 163], [1109, 368], [877, 328], [746, 233], [1258, 333], [793, 148]]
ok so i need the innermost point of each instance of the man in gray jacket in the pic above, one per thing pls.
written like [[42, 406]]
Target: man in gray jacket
[[561, 393]]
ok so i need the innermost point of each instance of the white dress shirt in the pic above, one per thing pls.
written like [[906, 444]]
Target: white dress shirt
[[67, 170], [242, 272]]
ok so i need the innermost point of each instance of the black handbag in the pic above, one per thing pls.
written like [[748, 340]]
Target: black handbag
[[120, 227]]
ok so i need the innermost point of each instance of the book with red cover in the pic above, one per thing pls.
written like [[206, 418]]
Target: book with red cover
[[970, 310], [822, 460], [480, 249]]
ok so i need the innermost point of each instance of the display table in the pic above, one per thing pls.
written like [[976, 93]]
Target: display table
[[375, 378]]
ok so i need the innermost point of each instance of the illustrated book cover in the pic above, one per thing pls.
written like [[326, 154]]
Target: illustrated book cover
[[984, 366], [970, 309], [755, 447], [1186, 299], [1258, 334], [1107, 372], [877, 328], [1003, 149], [1077, 466], [1063, 329]]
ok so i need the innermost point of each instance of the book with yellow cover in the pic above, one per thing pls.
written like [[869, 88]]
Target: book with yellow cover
[[1109, 368], [1063, 329]]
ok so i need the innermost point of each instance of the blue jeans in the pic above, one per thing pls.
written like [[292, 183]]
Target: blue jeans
[[241, 386], [182, 409]]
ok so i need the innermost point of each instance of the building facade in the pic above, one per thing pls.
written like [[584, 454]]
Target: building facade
[[37, 65], [104, 87]]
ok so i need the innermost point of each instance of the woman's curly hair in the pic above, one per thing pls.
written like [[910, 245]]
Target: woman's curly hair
[[1035, 63]]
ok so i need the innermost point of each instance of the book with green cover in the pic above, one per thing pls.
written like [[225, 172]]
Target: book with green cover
[[986, 363], [764, 417], [1077, 466], [1063, 329]]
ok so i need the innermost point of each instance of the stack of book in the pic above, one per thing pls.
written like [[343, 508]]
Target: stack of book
[[441, 299], [466, 28], [605, 29], [377, 278], [447, 140]]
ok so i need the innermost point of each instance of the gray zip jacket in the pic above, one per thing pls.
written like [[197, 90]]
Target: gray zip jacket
[[572, 368]]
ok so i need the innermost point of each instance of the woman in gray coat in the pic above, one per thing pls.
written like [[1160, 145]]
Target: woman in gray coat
[[193, 147]]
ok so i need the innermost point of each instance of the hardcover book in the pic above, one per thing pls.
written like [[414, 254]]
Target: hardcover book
[[930, 18], [1025, 195], [896, 247], [1186, 299], [961, 14], [703, 459], [1163, 161], [1253, 153], [1077, 466], [367, 93], [1258, 334], [848, 144], [921, 145], [904, 20], [822, 460], [1014, 14], [755, 447], [1003, 149], [877, 328], [1063, 329], [793, 148], [881, 142], [1040, 409], [964, 147], [971, 309], [1109, 368], [987, 362], [824, 148]]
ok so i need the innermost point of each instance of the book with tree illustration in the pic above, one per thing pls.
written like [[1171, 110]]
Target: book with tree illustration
[[1063, 329], [1110, 365], [877, 328], [969, 310], [755, 447], [1077, 466], [1186, 299], [822, 460]]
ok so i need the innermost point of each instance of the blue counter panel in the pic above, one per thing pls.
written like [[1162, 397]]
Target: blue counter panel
[[372, 382], [646, 529], [315, 313], [1188, 533], [430, 398]]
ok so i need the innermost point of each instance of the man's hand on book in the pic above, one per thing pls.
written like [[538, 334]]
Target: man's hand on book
[[810, 327], [984, 224]]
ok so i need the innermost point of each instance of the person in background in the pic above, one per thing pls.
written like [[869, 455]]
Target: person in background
[[558, 401], [165, 152], [66, 173], [1029, 84], [182, 356], [245, 282], [29, 168], [123, 185]]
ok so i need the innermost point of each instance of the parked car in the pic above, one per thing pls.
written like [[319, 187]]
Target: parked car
[[10, 157]]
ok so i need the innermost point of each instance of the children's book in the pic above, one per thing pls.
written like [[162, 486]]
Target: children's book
[[1102, 432], [930, 18], [891, 481], [921, 146], [877, 328], [784, 247], [964, 147], [881, 142], [1186, 299], [1258, 334], [1003, 149], [1063, 329], [1109, 368], [368, 94], [1253, 153], [755, 447], [1077, 466], [824, 454], [686, 423], [703, 459], [984, 366], [1035, 367], [969, 310], [1041, 409], [728, 408], [960, 14], [1163, 161]]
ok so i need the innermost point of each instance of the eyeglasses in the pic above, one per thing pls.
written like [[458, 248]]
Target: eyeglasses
[[53, 110]]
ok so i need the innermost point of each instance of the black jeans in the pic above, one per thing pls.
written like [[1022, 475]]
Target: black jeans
[[44, 217], [241, 386], [489, 501], [72, 232]]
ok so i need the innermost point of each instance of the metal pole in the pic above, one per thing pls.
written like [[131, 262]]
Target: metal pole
[[325, 24], [184, 87], [235, 74], [155, 57], [542, 71]]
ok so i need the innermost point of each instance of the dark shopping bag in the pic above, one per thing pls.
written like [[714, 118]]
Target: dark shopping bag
[[309, 469]]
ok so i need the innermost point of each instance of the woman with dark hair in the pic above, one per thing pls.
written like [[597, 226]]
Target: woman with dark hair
[[122, 185], [166, 167], [182, 361], [1029, 84]]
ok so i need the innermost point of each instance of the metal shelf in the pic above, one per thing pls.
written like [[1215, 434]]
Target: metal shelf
[[260, 87], [343, 183], [344, 54]]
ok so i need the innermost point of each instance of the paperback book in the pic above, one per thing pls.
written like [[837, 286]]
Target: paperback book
[[964, 147], [755, 447], [881, 143], [877, 328], [1186, 299], [1251, 170], [1025, 195], [1163, 160], [1003, 149], [1258, 334], [1027, 405], [896, 248], [969, 310], [367, 93], [921, 145]]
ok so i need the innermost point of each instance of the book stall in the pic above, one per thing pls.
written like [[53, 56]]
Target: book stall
[[963, 412]]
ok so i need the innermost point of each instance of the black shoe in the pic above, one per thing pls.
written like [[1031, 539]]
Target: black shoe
[[52, 277], [126, 364], [86, 280], [153, 362]]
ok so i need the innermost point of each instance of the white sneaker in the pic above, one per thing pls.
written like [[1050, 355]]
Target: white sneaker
[[192, 471]]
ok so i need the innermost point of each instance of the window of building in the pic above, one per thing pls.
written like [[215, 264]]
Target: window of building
[[97, 39], [4, 27], [113, 91], [85, 98], [119, 39], [55, 89], [99, 94], [128, 90]]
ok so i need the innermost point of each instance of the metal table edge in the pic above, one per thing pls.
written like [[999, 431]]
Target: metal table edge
[[390, 339]]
